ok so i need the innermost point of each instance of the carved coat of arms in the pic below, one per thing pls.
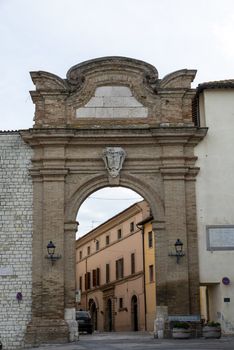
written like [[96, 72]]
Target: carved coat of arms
[[113, 158]]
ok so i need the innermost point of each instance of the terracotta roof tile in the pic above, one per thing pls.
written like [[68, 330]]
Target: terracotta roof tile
[[219, 84]]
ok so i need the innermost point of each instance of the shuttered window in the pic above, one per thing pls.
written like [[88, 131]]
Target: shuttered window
[[80, 283], [151, 273], [119, 268], [133, 269], [150, 239], [107, 273], [87, 280], [94, 278]]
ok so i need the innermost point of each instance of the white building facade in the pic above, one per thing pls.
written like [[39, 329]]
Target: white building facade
[[215, 202]]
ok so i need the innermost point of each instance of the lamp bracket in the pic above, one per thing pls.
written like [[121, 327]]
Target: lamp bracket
[[53, 258], [178, 255]]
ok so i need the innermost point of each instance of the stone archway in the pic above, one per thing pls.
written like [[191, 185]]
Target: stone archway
[[117, 105]]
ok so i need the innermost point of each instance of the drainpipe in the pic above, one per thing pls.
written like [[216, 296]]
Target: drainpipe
[[143, 248]]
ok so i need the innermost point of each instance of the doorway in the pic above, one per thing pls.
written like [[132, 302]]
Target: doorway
[[93, 313], [109, 316], [134, 313]]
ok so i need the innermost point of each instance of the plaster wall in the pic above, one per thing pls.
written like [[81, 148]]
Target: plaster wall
[[121, 249], [215, 199], [126, 290], [15, 239]]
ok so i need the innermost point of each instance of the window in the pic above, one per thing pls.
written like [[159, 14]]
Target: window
[[132, 263], [131, 226], [88, 250], [80, 253], [98, 276], [120, 303], [87, 280], [119, 233], [107, 273], [107, 240], [97, 245], [94, 278], [80, 283], [119, 268], [150, 239], [151, 273]]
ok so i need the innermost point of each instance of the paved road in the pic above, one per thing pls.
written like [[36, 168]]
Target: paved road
[[141, 341]]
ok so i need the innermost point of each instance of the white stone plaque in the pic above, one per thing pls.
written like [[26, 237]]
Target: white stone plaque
[[220, 237], [112, 102]]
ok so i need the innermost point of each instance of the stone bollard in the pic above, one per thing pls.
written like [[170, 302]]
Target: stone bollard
[[159, 328], [70, 318]]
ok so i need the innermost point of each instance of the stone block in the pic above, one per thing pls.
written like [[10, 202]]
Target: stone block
[[112, 101], [113, 91], [95, 102]]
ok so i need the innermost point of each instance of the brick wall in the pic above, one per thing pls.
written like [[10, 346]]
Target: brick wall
[[15, 239]]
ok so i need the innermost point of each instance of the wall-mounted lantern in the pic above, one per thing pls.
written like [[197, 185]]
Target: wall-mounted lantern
[[51, 253], [178, 250]]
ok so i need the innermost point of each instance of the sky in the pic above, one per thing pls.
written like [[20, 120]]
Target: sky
[[53, 35], [102, 205]]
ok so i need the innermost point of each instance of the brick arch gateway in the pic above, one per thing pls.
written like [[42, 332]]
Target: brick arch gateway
[[111, 122]]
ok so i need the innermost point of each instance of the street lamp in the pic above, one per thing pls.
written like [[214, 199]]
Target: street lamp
[[51, 250], [178, 250]]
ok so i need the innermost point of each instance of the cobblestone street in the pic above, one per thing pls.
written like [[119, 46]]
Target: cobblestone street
[[140, 341]]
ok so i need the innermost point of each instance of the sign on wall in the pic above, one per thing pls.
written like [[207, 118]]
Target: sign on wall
[[220, 237]]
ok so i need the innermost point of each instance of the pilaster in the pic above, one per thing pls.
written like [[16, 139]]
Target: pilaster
[[175, 218], [70, 229], [48, 324]]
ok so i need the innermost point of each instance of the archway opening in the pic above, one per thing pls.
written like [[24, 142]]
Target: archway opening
[[114, 250]]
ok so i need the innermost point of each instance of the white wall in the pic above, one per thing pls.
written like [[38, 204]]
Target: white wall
[[215, 198], [15, 239]]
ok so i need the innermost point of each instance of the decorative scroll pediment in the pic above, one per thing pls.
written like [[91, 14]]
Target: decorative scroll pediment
[[106, 66], [113, 91]]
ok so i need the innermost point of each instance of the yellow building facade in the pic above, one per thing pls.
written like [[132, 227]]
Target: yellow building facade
[[149, 271]]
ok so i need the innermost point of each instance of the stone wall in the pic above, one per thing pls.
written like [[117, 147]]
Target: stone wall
[[15, 239]]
